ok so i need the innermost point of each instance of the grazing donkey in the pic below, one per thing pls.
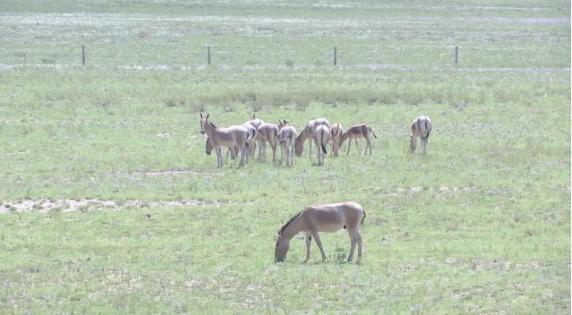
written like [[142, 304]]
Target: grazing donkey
[[311, 128], [420, 127], [286, 137], [336, 132], [358, 131], [235, 136], [322, 218], [321, 136], [209, 146], [268, 133]]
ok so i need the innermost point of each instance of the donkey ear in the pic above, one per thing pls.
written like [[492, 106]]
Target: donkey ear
[[201, 115], [208, 116], [253, 116]]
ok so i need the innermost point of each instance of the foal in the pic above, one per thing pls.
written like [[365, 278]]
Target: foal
[[286, 137], [322, 218], [420, 127], [235, 136], [358, 131]]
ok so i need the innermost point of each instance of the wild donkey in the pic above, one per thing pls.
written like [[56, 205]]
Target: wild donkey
[[420, 127], [336, 131], [322, 218], [255, 122], [286, 137], [321, 135], [235, 136], [358, 132], [209, 146], [268, 133], [312, 124]]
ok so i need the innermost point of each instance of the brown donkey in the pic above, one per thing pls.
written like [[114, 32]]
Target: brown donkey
[[420, 127], [358, 132], [209, 146], [235, 136], [321, 136], [336, 132], [255, 122], [268, 133], [286, 137], [309, 132], [322, 218]]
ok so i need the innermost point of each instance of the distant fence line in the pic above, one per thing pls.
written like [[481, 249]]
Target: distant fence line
[[209, 55]]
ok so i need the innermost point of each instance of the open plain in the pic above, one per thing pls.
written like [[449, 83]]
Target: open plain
[[108, 203]]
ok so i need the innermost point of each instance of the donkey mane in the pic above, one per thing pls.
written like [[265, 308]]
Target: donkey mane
[[288, 223], [213, 125]]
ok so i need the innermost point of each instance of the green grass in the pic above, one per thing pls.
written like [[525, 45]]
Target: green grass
[[480, 224]]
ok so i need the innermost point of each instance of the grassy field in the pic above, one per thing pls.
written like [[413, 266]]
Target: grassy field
[[480, 224]]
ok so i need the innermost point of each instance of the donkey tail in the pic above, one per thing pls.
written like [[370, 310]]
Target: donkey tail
[[322, 141], [250, 136], [373, 133], [427, 128], [364, 215]]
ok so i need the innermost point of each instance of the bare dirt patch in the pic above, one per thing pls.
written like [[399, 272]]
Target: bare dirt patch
[[67, 205]]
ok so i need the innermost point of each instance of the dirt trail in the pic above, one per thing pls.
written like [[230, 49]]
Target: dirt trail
[[66, 205]]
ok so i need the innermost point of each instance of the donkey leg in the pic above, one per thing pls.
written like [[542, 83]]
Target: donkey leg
[[353, 242], [242, 154], [357, 146], [349, 145], [273, 145], [310, 150], [291, 154], [308, 245], [282, 154], [319, 243], [219, 157], [368, 146], [360, 245]]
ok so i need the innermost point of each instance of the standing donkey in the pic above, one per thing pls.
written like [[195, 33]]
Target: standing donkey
[[286, 137], [420, 127], [269, 134], [322, 218], [358, 131], [336, 131], [255, 122], [235, 136], [321, 136], [312, 124]]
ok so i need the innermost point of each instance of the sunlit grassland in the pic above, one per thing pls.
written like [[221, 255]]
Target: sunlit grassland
[[480, 224]]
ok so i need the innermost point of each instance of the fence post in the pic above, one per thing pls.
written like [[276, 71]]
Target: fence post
[[209, 54], [456, 54], [83, 55], [335, 56]]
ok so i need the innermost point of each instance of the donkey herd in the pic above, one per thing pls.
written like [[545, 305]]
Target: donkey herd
[[246, 138]]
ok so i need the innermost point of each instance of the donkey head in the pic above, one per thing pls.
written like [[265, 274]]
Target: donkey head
[[204, 121], [299, 145], [209, 147], [282, 123], [282, 246]]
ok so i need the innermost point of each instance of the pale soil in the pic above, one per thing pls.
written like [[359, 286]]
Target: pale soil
[[67, 205]]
